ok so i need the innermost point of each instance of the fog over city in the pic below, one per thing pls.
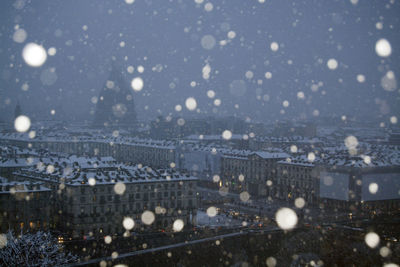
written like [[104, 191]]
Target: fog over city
[[256, 54]]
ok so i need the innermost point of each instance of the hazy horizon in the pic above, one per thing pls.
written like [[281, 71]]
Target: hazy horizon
[[227, 47]]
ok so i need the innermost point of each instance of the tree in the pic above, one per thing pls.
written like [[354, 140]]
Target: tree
[[33, 249]]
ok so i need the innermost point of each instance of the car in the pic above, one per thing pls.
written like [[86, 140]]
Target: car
[[88, 237], [391, 239]]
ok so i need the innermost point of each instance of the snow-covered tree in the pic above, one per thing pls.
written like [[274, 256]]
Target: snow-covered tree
[[33, 249]]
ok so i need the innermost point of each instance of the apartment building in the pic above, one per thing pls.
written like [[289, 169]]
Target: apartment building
[[296, 177], [254, 172], [154, 153], [94, 200], [23, 206]]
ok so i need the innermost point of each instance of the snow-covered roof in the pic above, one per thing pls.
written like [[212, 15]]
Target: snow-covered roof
[[288, 139], [300, 160], [83, 162], [106, 174], [208, 137], [7, 187], [269, 155], [64, 137], [368, 156], [245, 154]]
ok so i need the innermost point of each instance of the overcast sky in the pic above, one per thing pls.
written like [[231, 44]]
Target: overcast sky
[[188, 48]]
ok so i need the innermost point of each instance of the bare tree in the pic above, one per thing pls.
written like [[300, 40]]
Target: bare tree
[[33, 249]]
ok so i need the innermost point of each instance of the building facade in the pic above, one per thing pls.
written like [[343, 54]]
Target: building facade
[[253, 172], [95, 200], [24, 206], [296, 178], [148, 152]]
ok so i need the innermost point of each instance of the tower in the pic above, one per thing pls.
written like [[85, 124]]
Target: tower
[[17, 110], [115, 106]]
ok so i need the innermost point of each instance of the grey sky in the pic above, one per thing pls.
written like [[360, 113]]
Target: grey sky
[[169, 33]]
